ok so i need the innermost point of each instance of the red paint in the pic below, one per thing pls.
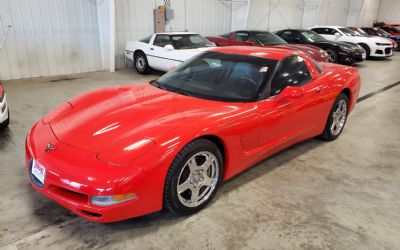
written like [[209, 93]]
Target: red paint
[[123, 139], [312, 51]]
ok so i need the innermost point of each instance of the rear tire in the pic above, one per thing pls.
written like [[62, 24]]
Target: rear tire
[[141, 63], [193, 177], [333, 55], [337, 118]]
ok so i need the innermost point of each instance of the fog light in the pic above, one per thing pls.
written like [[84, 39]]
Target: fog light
[[112, 199]]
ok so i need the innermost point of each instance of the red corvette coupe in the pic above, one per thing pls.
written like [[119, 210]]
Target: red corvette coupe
[[126, 151], [267, 39]]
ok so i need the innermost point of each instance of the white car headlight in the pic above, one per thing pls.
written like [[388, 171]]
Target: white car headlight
[[109, 200]]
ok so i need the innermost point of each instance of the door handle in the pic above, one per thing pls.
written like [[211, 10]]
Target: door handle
[[317, 90], [151, 48]]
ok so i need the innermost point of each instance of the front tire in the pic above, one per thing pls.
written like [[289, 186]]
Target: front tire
[[141, 63], [367, 49], [333, 55], [193, 177], [337, 118], [5, 124]]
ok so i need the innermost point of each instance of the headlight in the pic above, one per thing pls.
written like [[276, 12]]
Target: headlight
[[347, 49], [111, 199]]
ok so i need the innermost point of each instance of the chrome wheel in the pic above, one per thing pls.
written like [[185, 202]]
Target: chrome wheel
[[198, 179], [339, 117], [331, 55], [140, 63]]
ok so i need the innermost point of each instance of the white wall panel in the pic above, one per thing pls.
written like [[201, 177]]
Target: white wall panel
[[389, 11], [134, 20], [207, 17], [275, 14], [49, 37]]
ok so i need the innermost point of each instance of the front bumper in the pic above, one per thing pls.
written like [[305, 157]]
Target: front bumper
[[3, 110], [74, 175], [382, 51], [352, 57]]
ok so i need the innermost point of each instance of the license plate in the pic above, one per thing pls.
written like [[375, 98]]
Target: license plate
[[364, 55], [38, 171]]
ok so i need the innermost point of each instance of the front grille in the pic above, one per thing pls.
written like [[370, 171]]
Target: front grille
[[68, 194], [388, 51]]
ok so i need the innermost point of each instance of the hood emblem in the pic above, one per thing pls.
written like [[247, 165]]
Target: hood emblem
[[50, 147]]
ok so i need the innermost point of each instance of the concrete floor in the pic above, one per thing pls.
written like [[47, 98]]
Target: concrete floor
[[316, 195]]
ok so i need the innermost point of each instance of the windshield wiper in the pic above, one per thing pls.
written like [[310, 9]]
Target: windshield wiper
[[157, 84]]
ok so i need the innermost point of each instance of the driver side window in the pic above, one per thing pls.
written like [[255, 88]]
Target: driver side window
[[292, 72]]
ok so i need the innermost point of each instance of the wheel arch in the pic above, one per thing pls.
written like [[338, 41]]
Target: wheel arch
[[347, 92], [137, 52]]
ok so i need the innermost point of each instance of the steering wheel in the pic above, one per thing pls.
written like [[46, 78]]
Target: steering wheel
[[248, 80]]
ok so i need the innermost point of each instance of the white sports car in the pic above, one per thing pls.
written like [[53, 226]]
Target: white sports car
[[163, 51], [4, 113], [374, 46]]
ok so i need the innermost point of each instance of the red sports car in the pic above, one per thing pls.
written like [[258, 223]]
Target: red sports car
[[126, 151], [393, 29], [267, 39]]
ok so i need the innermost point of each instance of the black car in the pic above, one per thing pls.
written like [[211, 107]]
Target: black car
[[339, 52]]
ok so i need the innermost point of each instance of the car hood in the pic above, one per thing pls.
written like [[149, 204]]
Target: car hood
[[124, 116], [310, 50]]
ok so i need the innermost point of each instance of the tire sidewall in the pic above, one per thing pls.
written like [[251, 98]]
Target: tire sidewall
[[145, 67], [327, 135], [176, 167]]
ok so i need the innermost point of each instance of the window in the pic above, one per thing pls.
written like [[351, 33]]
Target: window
[[268, 38], [162, 40], [292, 72], [287, 34], [242, 36], [146, 39], [325, 31], [348, 32], [312, 36]]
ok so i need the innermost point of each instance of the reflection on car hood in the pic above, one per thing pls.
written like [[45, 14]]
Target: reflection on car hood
[[118, 117]]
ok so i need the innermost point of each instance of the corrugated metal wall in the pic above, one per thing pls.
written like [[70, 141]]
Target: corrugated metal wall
[[49, 37], [206, 17], [134, 20], [274, 14], [389, 11]]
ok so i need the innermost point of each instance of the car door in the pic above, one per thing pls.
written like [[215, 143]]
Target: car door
[[295, 109], [161, 57]]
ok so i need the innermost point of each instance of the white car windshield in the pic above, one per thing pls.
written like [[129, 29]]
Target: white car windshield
[[348, 32], [183, 41]]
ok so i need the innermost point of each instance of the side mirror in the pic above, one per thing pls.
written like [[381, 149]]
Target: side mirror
[[291, 92], [249, 43], [337, 34], [169, 47]]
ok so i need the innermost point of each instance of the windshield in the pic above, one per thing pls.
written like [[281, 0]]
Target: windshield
[[268, 38], [360, 32], [348, 32], [191, 41], [382, 32], [396, 28], [219, 76], [312, 36]]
